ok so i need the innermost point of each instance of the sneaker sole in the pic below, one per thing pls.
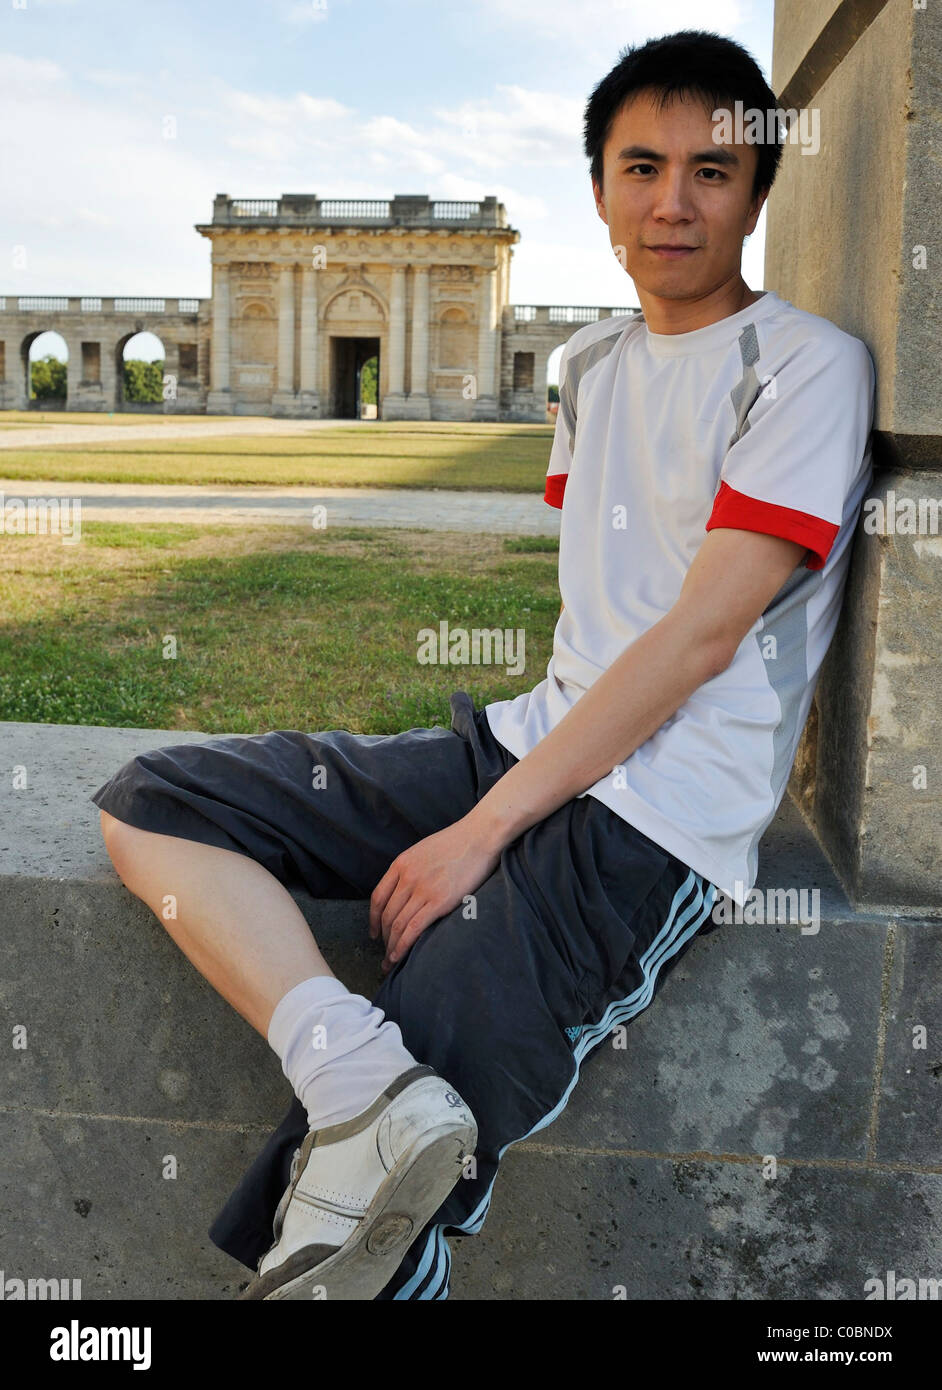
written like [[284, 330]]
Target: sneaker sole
[[410, 1194]]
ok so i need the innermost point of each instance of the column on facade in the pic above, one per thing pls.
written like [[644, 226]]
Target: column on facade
[[397, 332], [286, 331], [171, 373], [220, 354], [308, 382], [487, 337], [420, 333], [73, 369]]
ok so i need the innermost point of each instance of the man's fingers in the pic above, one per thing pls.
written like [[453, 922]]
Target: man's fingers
[[378, 899], [410, 933], [399, 905], [410, 923]]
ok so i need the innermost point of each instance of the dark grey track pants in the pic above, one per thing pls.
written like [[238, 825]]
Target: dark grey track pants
[[576, 928]]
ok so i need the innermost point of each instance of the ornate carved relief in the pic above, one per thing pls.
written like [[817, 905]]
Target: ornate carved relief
[[251, 270], [356, 304]]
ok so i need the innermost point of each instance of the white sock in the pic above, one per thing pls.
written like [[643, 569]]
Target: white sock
[[337, 1050]]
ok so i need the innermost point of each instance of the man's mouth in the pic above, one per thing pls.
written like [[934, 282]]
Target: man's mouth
[[671, 252]]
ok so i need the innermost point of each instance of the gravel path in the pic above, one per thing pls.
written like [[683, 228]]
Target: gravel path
[[437, 509]]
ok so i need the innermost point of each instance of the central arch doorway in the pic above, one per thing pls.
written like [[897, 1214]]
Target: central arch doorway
[[354, 378]]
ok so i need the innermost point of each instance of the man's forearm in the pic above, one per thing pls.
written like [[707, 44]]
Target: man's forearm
[[626, 705]]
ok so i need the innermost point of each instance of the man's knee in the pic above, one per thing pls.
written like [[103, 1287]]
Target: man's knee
[[111, 830], [124, 843]]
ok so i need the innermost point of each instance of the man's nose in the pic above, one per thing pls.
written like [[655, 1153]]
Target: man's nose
[[672, 201]]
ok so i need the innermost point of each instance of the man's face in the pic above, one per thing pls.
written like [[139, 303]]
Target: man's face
[[667, 185]]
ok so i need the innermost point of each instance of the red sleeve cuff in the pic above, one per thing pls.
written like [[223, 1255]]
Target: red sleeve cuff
[[743, 513], [555, 487]]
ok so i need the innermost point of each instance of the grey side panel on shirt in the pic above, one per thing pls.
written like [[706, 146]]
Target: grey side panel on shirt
[[576, 367], [786, 619], [746, 390]]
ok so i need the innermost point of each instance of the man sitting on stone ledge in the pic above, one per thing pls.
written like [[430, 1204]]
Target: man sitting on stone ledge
[[537, 869]]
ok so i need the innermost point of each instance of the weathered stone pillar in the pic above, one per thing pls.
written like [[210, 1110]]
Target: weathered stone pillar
[[283, 401], [485, 404], [419, 407], [220, 398], [309, 398], [219, 401], [853, 236], [112, 366], [10, 386], [171, 374], [394, 401], [73, 370]]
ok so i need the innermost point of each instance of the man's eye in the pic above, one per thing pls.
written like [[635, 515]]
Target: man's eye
[[640, 167], [717, 175]]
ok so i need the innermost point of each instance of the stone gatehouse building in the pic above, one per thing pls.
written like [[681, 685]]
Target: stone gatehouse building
[[304, 292]]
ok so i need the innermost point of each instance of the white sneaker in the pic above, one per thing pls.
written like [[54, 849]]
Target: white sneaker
[[362, 1190]]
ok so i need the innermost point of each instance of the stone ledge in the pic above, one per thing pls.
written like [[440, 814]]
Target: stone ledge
[[762, 1040]]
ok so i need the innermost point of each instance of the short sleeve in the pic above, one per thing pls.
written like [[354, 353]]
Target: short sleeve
[[802, 447], [564, 437]]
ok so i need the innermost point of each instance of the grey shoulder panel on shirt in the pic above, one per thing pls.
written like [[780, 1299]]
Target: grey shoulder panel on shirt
[[746, 391], [785, 619], [579, 363]]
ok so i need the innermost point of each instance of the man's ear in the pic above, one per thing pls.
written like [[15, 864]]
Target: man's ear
[[599, 204], [757, 205]]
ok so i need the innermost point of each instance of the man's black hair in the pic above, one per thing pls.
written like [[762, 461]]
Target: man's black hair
[[691, 63]]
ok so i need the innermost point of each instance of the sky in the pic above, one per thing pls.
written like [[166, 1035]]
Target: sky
[[119, 123]]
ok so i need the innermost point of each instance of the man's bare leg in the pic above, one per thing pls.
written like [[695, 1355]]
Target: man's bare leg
[[235, 922], [241, 929]]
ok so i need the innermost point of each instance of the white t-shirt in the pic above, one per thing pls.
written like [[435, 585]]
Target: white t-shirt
[[759, 422]]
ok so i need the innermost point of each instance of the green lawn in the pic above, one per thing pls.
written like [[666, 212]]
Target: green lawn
[[274, 627], [398, 454]]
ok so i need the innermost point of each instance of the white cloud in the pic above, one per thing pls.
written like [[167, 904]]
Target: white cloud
[[110, 77], [312, 12], [21, 76], [525, 127], [518, 128], [112, 211], [114, 208], [94, 217], [285, 111]]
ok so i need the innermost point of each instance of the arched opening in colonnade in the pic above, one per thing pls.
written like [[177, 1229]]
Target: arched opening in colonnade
[[355, 320], [139, 372], [45, 358], [354, 374]]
